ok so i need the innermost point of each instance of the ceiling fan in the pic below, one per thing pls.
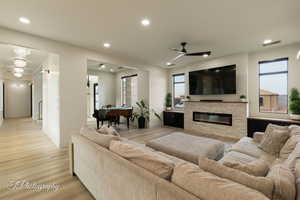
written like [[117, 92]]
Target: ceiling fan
[[183, 52]]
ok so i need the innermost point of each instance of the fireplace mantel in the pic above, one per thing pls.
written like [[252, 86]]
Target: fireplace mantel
[[238, 110]]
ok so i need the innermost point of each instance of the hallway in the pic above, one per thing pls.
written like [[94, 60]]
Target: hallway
[[26, 154]]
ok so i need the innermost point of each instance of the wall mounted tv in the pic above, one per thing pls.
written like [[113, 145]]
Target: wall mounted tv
[[215, 81]]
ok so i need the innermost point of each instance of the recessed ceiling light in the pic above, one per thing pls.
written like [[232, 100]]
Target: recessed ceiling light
[[112, 70], [168, 64], [20, 63], [24, 20], [298, 55], [18, 74], [145, 22], [106, 45], [19, 70], [268, 41], [205, 55]]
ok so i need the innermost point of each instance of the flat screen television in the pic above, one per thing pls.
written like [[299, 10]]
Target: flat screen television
[[221, 80]]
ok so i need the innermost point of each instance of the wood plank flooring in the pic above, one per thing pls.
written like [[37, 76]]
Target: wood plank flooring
[[26, 153]]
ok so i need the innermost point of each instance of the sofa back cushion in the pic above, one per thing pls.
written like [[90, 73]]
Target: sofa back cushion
[[209, 186], [257, 167], [143, 157], [284, 182], [101, 139], [289, 146], [274, 139], [261, 184]]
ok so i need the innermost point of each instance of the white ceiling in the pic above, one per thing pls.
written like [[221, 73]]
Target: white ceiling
[[223, 26], [95, 66], [7, 56]]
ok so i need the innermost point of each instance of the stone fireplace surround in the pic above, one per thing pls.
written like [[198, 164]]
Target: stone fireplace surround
[[238, 110]]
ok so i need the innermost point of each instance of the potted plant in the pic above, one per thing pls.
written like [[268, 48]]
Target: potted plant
[[295, 104], [243, 98], [143, 114], [169, 101]]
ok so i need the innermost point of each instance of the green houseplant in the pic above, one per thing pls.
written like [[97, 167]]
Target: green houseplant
[[169, 101], [143, 114], [294, 104], [243, 98]]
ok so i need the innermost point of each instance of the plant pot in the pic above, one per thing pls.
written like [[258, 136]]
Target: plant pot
[[295, 117], [169, 108], [243, 100], [141, 122]]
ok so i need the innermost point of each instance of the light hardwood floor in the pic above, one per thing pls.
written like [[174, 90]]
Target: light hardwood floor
[[28, 154]]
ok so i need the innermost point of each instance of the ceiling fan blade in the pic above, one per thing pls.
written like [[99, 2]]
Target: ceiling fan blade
[[179, 56], [199, 53]]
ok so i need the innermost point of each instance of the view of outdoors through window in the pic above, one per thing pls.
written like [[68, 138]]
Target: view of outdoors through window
[[273, 86], [179, 90]]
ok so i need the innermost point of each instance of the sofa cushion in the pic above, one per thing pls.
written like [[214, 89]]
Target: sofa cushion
[[143, 157], [294, 129], [274, 139], [289, 146], [108, 130], [209, 186], [258, 167], [247, 146], [234, 156], [101, 139], [284, 182], [262, 184], [293, 157]]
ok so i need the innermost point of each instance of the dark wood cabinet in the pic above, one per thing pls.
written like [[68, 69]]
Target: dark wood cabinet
[[260, 124], [173, 118]]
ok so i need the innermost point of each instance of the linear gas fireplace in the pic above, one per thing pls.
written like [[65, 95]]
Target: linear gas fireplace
[[213, 118]]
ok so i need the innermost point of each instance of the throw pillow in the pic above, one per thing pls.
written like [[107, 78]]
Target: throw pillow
[[262, 184], [289, 146], [101, 139], [274, 139], [284, 182], [143, 157], [205, 185], [258, 167]]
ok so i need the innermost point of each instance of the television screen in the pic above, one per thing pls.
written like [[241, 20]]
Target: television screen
[[220, 80]]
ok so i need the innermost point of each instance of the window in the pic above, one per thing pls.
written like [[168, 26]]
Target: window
[[129, 90], [273, 86], [178, 90]]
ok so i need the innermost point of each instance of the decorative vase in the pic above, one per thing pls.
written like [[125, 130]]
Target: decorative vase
[[295, 117], [141, 122], [243, 100], [169, 108]]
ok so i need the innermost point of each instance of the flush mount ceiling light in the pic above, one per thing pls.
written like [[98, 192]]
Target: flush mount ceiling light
[[102, 66], [112, 70], [145, 22], [24, 20], [106, 45], [19, 75], [270, 42], [20, 63], [22, 52], [19, 70], [298, 55]]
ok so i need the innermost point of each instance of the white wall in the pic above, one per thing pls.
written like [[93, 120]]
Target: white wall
[[289, 51], [241, 61], [17, 99], [72, 77], [1, 102], [51, 96], [37, 93]]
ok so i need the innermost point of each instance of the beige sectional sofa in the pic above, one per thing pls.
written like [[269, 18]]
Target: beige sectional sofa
[[110, 175]]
